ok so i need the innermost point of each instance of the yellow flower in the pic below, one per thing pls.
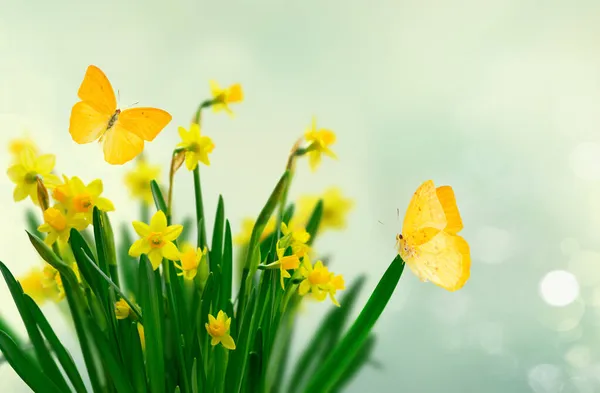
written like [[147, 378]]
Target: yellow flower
[[138, 180], [190, 260], [286, 263], [122, 309], [243, 237], [319, 141], [335, 284], [26, 172], [196, 146], [57, 224], [319, 281], [16, 146], [80, 198], [223, 97], [335, 208], [296, 239], [35, 285], [156, 240], [218, 329]]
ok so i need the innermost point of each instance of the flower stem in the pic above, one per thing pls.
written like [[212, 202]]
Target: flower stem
[[145, 212], [199, 209]]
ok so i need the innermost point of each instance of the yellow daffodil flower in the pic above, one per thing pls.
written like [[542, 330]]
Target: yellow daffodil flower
[[243, 237], [17, 145], [138, 180], [335, 208], [290, 262], [80, 198], [335, 284], [296, 239], [316, 280], [190, 259], [57, 224], [35, 285], [218, 329], [26, 172], [156, 240], [196, 146], [318, 144], [122, 309], [223, 97]]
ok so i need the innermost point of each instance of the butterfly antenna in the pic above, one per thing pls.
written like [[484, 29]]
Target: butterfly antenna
[[135, 103], [118, 96]]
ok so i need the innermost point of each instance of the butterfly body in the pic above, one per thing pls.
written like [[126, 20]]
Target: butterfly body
[[122, 132], [429, 243]]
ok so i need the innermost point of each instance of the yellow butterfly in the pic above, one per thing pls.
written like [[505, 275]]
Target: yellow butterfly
[[96, 117], [429, 243]]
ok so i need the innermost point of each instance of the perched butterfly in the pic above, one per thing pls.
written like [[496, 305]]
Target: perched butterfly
[[429, 243], [96, 117]]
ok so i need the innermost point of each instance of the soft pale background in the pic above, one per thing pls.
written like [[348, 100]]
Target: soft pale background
[[500, 99]]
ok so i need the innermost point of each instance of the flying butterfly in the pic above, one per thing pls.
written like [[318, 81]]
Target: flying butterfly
[[122, 132], [429, 243]]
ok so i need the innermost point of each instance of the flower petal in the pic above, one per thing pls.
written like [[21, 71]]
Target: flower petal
[[304, 288], [158, 223], [105, 205], [170, 251], [215, 341], [51, 238], [190, 160], [141, 228], [183, 134], [27, 159], [155, 257], [21, 192], [228, 342], [16, 173], [172, 232], [44, 164], [139, 247], [96, 187]]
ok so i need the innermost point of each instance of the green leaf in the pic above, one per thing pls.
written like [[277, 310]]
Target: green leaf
[[339, 360], [127, 264], [80, 248], [216, 250], [227, 269], [360, 359], [261, 222], [200, 219], [112, 362], [187, 223], [314, 221], [137, 360], [32, 222], [47, 363], [63, 356], [159, 199], [149, 297], [27, 370], [236, 371]]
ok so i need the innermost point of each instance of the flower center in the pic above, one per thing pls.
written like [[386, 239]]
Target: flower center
[[319, 277], [82, 203], [31, 177], [60, 193], [156, 240], [55, 219], [217, 328]]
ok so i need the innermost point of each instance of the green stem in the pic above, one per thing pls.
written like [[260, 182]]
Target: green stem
[[198, 115], [145, 212], [199, 209]]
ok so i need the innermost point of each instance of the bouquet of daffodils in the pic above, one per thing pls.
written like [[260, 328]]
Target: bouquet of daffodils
[[165, 312]]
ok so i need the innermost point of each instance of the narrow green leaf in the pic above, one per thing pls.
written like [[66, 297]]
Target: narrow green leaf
[[27, 370], [112, 362], [312, 227], [227, 269], [360, 359], [47, 363], [127, 264], [235, 372], [200, 220], [137, 360], [188, 223], [259, 227], [159, 199], [149, 298], [63, 356], [216, 250], [81, 247], [33, 222], [339, 360]]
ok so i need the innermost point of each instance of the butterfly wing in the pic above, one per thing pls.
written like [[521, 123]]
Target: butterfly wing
[[89, 117], [146, 123], [121, 145], [445, 260], [446, 197], [425, 215], [97, 91]]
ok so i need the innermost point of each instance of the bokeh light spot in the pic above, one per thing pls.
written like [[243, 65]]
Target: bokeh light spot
[[559, 288]]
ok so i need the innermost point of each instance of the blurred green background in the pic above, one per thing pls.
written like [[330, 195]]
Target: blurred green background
[[500, 99]]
